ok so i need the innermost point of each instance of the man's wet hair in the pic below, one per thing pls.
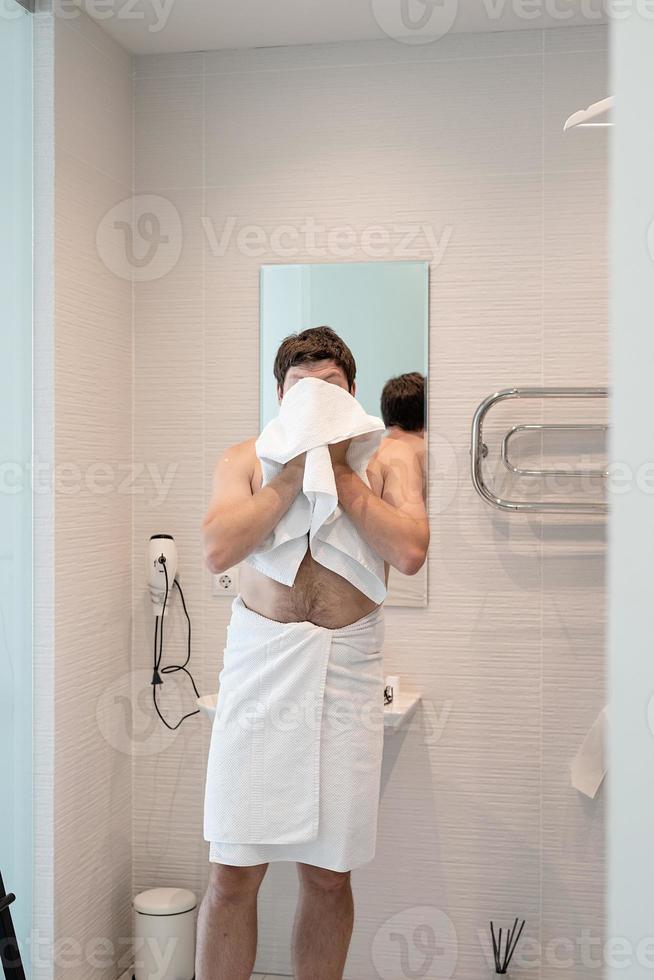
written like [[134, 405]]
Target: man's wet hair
[[314, 344], [403, 402]]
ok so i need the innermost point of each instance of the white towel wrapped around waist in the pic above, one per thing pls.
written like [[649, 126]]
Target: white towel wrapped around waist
[[314, 414], [296, 743]]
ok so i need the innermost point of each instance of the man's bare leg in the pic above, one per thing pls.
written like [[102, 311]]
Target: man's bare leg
[[323, 924], [227, 923]]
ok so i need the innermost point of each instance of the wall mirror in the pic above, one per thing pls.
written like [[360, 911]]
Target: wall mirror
[[381, 310]]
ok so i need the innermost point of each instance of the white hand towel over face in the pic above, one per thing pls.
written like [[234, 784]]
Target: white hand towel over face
[[314, 414]]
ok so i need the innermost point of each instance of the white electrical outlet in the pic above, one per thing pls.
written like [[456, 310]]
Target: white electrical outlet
[[227, 582]]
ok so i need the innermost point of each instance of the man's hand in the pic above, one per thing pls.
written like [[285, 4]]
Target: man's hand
[[338, 452]]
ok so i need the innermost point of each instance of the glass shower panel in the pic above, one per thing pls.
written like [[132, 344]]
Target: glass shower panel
[[15, 462]]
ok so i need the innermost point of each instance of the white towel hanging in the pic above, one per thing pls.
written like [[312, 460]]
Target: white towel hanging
[[588, 767]]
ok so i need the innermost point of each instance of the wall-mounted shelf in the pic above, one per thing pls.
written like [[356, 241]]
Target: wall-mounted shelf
[[400, 710], [207, 705], [395, 714]]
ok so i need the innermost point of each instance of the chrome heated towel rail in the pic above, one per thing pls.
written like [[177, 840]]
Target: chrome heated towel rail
[[478, 451]]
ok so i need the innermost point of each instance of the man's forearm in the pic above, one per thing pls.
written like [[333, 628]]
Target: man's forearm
[[237, 531], [397, 538]]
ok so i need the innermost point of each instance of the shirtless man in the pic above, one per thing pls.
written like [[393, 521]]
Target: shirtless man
[[403, 412], [390, 516]]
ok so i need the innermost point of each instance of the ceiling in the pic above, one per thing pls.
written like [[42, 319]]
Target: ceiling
[[158, 26]]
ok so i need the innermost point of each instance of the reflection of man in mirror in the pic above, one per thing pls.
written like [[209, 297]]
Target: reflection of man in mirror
[[304, 643], [403, 412]]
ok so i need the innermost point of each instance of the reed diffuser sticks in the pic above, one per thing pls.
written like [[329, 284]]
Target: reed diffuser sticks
[[511, 938]]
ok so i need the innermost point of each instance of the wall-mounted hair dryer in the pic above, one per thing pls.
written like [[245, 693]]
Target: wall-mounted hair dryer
[[162, 579], [162, 569]]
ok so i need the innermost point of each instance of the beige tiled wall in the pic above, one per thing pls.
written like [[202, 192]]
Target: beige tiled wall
[[92, 534], [477, 815]]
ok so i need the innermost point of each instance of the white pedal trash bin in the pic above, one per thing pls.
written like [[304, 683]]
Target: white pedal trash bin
[[164, 934]]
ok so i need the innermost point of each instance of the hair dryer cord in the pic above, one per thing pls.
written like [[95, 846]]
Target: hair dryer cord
[[158, 654]]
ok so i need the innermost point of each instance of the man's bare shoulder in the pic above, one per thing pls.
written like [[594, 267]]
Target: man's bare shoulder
[[402, 446], [241, 457], [242, 450], [398, 462], [398, 451]]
